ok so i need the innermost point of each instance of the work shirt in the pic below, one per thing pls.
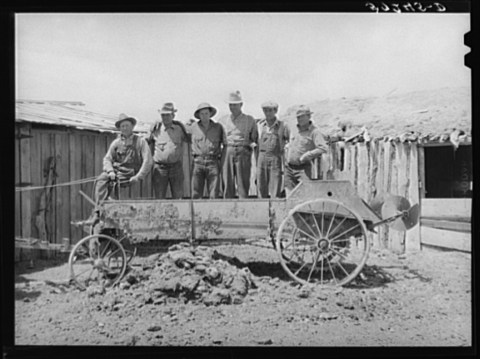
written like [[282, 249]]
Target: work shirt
[[207, 141], [240, 131], [130, 153], [307, 141], [272, 138], [168, 142]]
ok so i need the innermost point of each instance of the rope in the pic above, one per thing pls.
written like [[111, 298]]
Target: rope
[[76, 182]]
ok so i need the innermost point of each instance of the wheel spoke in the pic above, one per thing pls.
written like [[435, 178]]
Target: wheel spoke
[[342, 240], [331, 270], [314, 265], [345, 232], [331, 222], [315, 221], [308, 235], [321, 272], [307, 225], [299, 269], [339, 253], [338, 226], [323, 216], [105, 249], [344, 270], [111, 254]]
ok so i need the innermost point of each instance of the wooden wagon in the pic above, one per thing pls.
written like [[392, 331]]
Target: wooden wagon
[[320, 231]]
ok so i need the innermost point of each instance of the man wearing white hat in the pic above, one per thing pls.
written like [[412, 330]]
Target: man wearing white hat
[[128, 159], [242, 136], [167, 138], [306, 143], [208, 151], [273, 135]]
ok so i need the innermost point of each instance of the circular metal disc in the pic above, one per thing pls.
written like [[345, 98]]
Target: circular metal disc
[[376, 204], [395, 205]]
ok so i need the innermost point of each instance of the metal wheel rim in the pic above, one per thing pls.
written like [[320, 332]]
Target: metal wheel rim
[[325, 267], [106, 266]]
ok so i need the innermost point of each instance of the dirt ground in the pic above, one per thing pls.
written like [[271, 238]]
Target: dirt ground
[[421, 299]]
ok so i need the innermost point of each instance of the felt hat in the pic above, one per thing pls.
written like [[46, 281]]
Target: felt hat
[[168, 108], [122, 117], [270, 104], [303, 110], [213, 110], [235, 97]]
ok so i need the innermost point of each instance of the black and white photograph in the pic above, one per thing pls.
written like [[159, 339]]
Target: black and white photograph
[[244, 179]]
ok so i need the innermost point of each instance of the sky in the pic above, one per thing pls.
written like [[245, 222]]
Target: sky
[[133, 63]]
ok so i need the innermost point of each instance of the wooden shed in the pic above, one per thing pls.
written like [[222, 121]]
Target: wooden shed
[[417, 145], [56, 143]]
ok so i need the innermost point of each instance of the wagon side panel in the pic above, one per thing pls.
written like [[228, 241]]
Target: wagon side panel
[[233, 219]]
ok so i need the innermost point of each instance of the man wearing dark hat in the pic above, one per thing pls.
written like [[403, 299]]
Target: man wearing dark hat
[[128, 159], [208, 151], [242, 136], [167, 138], [273, 135], [306, 143]]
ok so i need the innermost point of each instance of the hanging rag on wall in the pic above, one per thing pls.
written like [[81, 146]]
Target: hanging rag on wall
[[45, 201]]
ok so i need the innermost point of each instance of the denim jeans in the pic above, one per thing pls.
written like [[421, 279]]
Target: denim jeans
[[165, 174], [236, 169], [205, 171], [269, 175]]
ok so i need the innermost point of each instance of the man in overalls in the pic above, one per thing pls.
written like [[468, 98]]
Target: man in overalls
[[128, 159]]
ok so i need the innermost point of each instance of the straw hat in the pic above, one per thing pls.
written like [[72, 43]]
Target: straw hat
[[122, 117]]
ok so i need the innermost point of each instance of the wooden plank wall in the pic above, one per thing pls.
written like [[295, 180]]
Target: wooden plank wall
[[78, 155], [377, 168]]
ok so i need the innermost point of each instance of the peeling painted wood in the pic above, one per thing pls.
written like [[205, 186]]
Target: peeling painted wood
[[62, 213], [396, 238], [231, 219], [18, 211], [421, 171], [447, 208], [412, 237], [25, 176], [446, 239], [75, 174], [363, 170], [150, 220]]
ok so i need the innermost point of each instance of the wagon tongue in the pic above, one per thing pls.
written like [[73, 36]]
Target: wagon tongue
[[398, 213]]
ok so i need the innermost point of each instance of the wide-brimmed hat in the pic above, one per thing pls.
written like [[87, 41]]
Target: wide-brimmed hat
[[303, 110], [122, 117], [168, 108], [270, 104], [203, 105], [235, 97]]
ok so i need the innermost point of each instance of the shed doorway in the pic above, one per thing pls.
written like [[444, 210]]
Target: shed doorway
[[448, 172]]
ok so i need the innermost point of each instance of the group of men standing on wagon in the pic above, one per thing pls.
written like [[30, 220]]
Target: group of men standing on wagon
[[221, 151]]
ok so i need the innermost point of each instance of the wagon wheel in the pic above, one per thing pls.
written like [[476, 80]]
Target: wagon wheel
[[322, 242], [97, 259], [130, 250], [128, 247]]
